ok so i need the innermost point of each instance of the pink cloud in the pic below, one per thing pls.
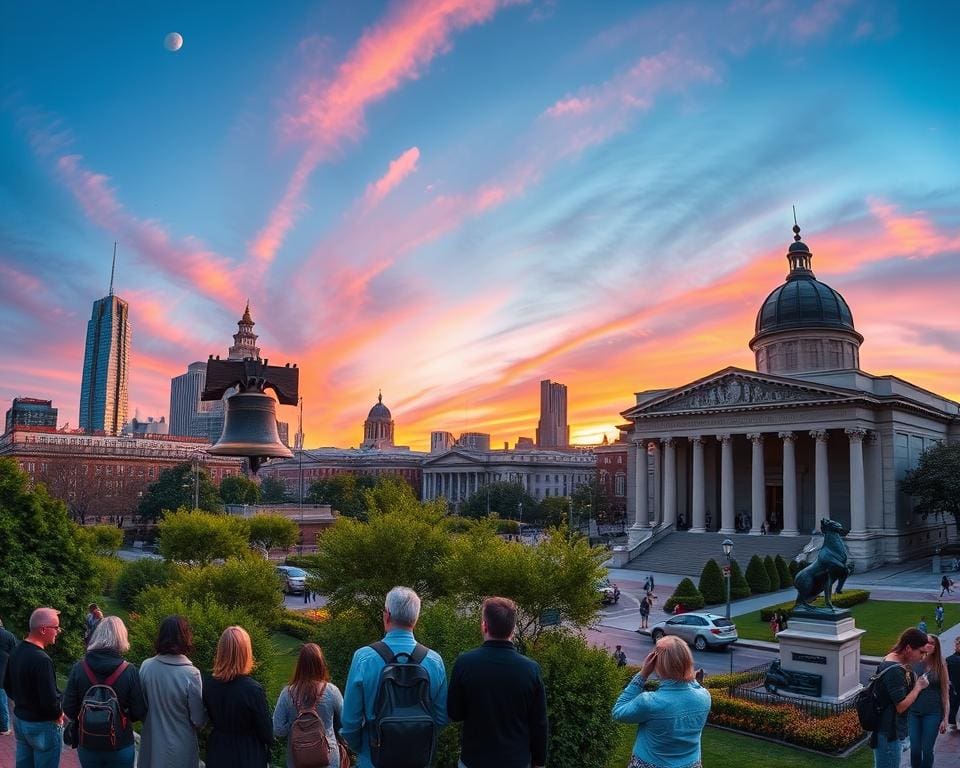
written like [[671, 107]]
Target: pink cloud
[[398, 170]]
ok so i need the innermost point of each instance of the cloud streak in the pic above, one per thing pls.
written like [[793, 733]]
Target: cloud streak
[[399, 169]]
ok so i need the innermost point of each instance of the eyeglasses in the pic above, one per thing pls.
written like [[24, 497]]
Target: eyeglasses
[[57, 628]]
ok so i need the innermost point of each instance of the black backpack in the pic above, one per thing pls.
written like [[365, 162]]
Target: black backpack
[[101, 721], [403, 733], [871, 703]]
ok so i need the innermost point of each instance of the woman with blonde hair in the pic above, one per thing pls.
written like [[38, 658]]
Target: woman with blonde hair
[[310, 688], [236, 706], [670, 719], [927, 715]]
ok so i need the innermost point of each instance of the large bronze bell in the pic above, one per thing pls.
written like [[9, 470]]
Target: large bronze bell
[[250, 429]]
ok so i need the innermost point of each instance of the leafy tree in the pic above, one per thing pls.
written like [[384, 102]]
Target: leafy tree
[[46, 560], [687, 594], [389, 494], [69, 482], [273, 491], [103, 539], [552, 511], [589, 501], [786, 579], [934, 483], [507, 500], [772, 573], [249, 583], [239, 489], [272, 531], [739, 588], [343, 492], [757, 576], [712, 585], [200, 537], [175, 489], [137, 575]]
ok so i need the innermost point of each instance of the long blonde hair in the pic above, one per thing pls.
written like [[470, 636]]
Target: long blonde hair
[[935, 661], [234, 656]]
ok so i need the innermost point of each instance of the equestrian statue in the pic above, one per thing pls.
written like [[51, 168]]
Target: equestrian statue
[[827, 573]]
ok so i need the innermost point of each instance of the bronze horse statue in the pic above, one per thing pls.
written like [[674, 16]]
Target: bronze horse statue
[[829, 570]]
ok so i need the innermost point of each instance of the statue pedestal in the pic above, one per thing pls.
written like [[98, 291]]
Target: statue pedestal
[[825, 647]]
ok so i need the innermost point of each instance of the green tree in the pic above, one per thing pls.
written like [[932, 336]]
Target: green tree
[[739, 588], [46, 560], [343, 492], [103, 539], [200, 537], [687, 594], [772, 573], [175, 488], [786, 579], [589, 501], [934, 483], [249, 583], [274, 491], [507, 500], [390, 494], [757, 576], [272, 531], [239, 489], [552, 511], [712, 585], [137, 575]]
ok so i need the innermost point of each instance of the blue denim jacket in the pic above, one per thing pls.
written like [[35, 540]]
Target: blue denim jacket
[[670, 720]]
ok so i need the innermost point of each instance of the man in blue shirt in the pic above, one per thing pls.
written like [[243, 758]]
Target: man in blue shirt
[[400, 613]]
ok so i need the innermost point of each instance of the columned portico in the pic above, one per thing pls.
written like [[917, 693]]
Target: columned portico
[[789, 484], [758, 489], [821, 504], [657, 484], [641, 469], [699, 510], [727, 524], [669, 482], [858, 502]]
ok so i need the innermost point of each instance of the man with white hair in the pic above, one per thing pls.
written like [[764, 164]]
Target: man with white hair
[[31, 682], [380, 676]]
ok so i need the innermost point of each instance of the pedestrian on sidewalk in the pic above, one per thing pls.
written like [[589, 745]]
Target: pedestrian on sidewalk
[[928, 714], [946, 585], [953, 671], [644, 612], [938, 616]]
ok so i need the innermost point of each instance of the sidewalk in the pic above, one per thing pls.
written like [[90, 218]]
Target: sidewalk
[[8, 752]]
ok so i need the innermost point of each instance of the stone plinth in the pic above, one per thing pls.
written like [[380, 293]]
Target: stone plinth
[[827, 648]]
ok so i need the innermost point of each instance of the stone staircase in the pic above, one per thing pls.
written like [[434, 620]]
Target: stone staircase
[[685, 553]]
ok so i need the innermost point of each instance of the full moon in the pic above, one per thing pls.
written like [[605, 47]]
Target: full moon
[[173, 41]]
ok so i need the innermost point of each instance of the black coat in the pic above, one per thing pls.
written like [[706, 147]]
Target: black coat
[[242, 728], [127, 687]]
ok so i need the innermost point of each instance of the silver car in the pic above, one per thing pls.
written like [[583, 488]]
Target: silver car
[[294, 580], [701, 630]]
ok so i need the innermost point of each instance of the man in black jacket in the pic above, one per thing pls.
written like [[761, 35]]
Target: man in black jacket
[[7, 643], [32, 684], [953, 668], [499, 697]]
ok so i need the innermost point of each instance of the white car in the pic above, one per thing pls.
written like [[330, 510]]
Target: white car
[[294, 579], [701, 630]]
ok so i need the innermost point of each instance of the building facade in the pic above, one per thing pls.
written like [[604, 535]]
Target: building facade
[[552, 429], [613, 463], [31, 412], [185, 403], [806, 436], [378, 427], [106, 361]]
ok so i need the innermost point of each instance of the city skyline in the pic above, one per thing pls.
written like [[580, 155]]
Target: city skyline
[[451, 202]]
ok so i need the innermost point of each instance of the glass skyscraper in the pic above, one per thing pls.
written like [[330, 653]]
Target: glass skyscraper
[[103, 393]]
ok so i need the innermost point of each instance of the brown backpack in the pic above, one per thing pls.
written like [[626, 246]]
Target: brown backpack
[[308, 737]]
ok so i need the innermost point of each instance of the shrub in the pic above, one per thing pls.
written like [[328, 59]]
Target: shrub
[[249, 583], [786, 578], [687, 594], [712, 585], [739, 588], [828, 734], [137, 575], [201, 537], [772, 573], [724, 681], [103, 539], [846, 600], [757, 576], [749, 716], [299, 626], [108, 570]]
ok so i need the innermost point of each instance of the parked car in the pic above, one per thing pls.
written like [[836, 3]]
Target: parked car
[[294, 579], [701, 630], [608, 591]]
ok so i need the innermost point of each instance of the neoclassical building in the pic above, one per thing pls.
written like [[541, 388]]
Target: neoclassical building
[[807, 435]]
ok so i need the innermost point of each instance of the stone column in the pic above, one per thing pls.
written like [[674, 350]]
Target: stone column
[[758, 486], [657, 484], [789, 484], [873, 479], [727, 524], [699, 505], [642, 519], [821, 504], [858, 501], [669, 481]]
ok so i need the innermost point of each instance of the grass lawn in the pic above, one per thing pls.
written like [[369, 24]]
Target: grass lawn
[[285, 659], [722, 748], [111, 607], [884, 620]]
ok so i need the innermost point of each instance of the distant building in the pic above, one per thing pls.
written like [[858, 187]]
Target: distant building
[[525, 444], [31, 412], [139, 428], [441, 442], [612, 471], [552, 429], [244, 340], [106, 359], [283, 430], [378, 428], [474, 441], [185, 404]]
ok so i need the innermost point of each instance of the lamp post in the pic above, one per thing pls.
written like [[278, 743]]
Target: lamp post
[[300, 463], [727, 551]]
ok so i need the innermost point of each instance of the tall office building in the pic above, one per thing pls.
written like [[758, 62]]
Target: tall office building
[[185, 391], [553, 430], [31, 412], [106, 361]]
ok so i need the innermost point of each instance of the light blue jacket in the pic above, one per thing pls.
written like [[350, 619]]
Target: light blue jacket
[[670, 720], [361, 690]]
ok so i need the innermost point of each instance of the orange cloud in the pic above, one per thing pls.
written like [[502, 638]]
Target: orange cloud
[[398, 170]]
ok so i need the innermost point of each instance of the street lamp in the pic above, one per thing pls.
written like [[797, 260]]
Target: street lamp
[[727, 551]]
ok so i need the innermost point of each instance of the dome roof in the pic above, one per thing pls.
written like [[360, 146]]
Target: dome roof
[[379, 412], [803, 301]]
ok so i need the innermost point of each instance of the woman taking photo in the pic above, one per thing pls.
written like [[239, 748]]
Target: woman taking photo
[[310, 688], [928, 714], [237, 706], [670, 719], [103, 664], [171, 687]]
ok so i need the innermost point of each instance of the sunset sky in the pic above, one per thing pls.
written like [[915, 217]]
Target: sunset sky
[[453, 199]]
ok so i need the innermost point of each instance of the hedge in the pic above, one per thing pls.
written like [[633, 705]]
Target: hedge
[[844, 600], [138, 575], [108, 568], [786, 578], [712, 585], [299, 626], [739, 589], [687, 594], [757, 576], [772, 573]]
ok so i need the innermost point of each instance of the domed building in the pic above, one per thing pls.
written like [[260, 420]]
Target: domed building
[[806, 436], [378, 428]]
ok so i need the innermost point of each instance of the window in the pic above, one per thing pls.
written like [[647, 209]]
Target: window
[[620, 485]]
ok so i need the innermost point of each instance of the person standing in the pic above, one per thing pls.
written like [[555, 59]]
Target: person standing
[[499, 696], [400, 614], [670, 720], [928, 713], [31, 682], [94, 616], [619, 656], [236, 706], [104, 659], [938, 615], [644, 612], [945, 585], [899, 688], [7, 643], [922, 625], [172, 688], [953, 672]]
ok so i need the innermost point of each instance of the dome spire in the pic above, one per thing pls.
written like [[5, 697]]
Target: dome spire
[[799, 256], [796, 227], [379, 395]]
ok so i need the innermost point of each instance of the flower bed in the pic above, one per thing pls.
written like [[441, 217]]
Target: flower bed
[[844, 600]]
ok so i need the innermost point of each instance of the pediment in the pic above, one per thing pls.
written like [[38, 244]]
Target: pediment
[[454, 458], [736, 391]]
